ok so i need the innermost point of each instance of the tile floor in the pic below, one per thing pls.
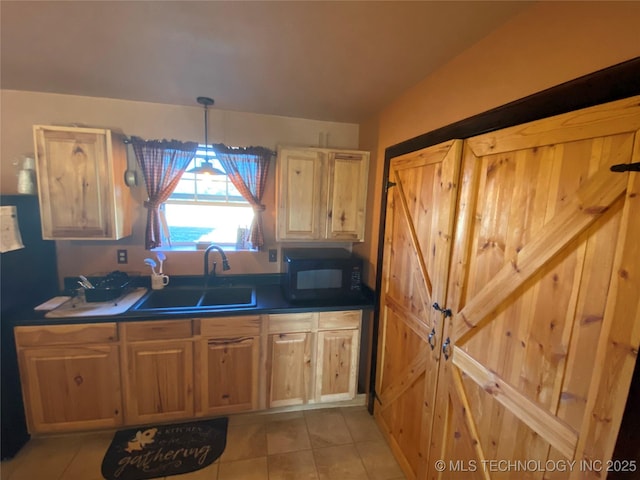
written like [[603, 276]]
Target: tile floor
[[327, 444]]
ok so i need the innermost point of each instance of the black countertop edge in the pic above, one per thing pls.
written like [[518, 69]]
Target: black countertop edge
[[71, 283], [269, 300]]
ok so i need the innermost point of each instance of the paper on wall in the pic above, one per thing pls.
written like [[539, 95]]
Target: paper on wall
[[10, 238]]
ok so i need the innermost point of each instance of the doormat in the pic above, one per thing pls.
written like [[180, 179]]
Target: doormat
[[164, 450]]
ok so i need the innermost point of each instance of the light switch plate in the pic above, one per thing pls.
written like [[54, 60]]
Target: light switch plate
[[273, 255]]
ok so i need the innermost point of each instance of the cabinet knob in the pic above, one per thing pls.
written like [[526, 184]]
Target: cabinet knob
[[78, 379]]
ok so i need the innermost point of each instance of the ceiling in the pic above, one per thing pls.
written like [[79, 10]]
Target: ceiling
[[325, 60]]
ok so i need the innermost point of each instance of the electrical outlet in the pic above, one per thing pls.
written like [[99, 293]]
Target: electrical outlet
[[273, 255], [122, 256]]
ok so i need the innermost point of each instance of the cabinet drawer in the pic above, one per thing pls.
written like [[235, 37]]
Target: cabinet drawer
[[157, 330], [292, 322], [229, 326], [338, 320], [66, 334]]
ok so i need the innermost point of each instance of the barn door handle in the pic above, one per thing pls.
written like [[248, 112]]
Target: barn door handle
[[626, 167], [445, 311], [446, 348], [432, 343]]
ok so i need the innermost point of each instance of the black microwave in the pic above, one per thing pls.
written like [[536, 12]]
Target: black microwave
[[320, 274]]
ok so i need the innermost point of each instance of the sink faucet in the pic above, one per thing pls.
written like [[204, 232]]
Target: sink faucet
[[225, 262]]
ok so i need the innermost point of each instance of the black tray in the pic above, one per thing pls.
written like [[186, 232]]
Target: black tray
[[108, 287]]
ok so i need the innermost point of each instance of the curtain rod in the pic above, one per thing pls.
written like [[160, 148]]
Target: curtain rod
[[127, 141]]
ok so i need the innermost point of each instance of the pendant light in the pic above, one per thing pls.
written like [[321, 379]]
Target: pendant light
[[206, 167]]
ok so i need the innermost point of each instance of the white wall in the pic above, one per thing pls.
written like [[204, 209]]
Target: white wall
[[21, 110], [547, 44]]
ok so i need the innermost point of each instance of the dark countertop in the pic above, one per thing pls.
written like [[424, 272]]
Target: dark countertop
[[269, 299]]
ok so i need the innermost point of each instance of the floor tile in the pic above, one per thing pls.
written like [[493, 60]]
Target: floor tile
[[252, 469], [362, 426], [292, 466], [339, 463], [279, 417], [45, 458], [86, 464], [321, 444], [247, 418], [326, 428], [207, 473], [245, 441], [287, 436], [378, 460]]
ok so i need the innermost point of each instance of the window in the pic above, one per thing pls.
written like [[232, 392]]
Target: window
[[207, 208]]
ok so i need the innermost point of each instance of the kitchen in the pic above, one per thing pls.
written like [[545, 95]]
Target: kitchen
[[411, 114]]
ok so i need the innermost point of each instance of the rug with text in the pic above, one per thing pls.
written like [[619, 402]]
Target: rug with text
[[164, 450]]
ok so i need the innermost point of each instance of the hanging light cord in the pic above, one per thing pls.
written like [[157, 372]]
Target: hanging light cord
[[206, 101]]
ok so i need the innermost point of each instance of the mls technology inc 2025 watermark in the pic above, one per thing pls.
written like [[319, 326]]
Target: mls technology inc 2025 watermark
[[535, 465]]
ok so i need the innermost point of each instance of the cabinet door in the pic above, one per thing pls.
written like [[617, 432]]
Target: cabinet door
[[347, 196], [545, 282], [301, 188], [71, 388], [417, 245], [290, 369], [337, 365], [159, 381], [230, 374], [79, 199]]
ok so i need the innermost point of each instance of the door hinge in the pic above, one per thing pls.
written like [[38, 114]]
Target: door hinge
[[388, 185], [626, 167]]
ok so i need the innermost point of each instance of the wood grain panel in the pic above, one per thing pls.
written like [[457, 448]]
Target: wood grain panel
[[230, 326], [420, 212], [156, 330], [66, 334], [337, 365], [159, 381], [290, 369], [543, 276], [70, 388], [347, 195]]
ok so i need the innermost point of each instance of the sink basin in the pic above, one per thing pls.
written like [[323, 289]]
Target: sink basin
[[241, 296], [197, 299]]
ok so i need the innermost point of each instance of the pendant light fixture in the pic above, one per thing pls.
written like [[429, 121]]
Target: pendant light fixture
[[206, 167]]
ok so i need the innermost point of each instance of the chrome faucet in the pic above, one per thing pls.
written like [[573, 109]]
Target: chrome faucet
[[225, 262]]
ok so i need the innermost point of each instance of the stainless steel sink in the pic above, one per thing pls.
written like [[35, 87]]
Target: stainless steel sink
[[180, 299]]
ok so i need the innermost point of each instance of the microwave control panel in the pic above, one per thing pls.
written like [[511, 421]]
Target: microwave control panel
[[356, 279]]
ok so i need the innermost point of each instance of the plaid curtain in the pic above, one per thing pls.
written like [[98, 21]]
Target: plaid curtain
[[162, 162], [247, 168]]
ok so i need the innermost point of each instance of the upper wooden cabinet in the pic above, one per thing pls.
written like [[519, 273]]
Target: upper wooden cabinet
[[81, 183], [322, 194]]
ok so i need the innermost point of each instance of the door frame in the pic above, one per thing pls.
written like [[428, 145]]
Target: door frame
[[613, 83]]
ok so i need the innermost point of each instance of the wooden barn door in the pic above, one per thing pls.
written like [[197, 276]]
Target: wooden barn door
[[417, 244], [545, 293]]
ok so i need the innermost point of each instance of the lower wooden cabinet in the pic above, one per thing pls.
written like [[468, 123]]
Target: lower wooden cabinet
[[289, 370], [338, 351], [158, 371], [337, 365], [90, 376], [227, 363], [70, 377], [313, 357]]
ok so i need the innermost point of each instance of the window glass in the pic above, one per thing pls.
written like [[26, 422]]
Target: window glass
[[207, 208]]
